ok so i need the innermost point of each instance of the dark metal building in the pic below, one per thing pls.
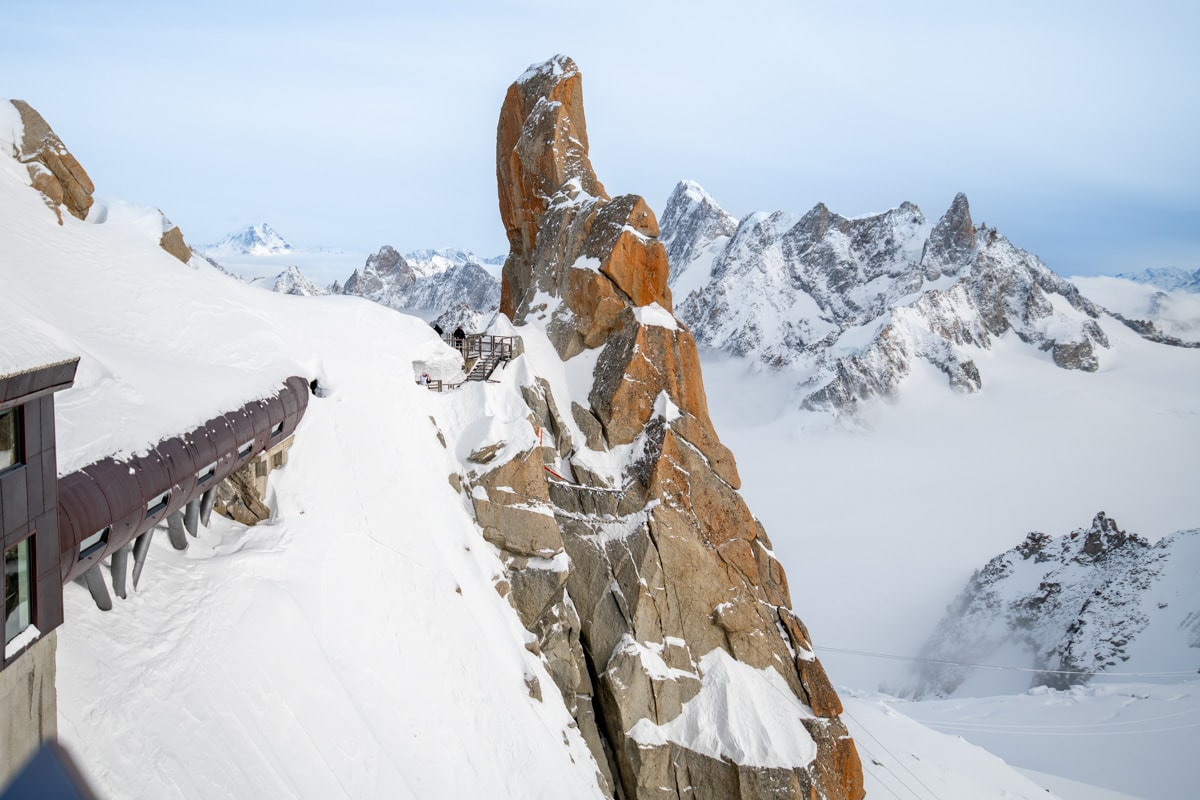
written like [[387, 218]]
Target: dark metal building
[[29, 502]]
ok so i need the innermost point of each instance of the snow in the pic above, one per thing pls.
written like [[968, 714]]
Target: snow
[[587, 263], [12, 128], [650, 654], [742, 713], [1137, 738], [21, 641], [28, 345], [655, 315], [352, 646], [903, 759]]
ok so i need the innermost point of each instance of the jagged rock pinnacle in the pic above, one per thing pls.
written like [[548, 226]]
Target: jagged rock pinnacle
[[692, 576]]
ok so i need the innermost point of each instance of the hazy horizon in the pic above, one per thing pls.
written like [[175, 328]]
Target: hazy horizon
[[1070, 128]]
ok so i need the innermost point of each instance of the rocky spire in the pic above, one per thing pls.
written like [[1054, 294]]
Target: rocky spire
[[671, 589], [952, 242], [565, 234]]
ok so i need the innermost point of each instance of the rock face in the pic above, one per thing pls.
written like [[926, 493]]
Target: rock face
[[650, 588], [52, 168], [850, 303], [1075, 604]]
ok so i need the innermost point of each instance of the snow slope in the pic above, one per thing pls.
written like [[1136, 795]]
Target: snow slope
[[353, 647]]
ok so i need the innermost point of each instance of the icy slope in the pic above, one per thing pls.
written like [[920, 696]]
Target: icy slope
[[354, 647]]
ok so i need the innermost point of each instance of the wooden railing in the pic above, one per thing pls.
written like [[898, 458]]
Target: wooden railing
[[483, 351]]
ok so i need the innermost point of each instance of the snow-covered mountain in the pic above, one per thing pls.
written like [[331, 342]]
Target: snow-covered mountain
[[694, 230], [1097, 599], [1166, 278], [847, 305], [433, 281], [259, 239], [290, 281], [431, 262]]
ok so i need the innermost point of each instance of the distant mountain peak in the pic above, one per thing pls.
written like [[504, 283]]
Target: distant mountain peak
[[253, 240], [1071, 605], [692, 221], [1168, 279]]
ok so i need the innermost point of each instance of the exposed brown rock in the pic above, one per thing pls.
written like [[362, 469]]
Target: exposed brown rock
[[172, 241], [67, 182], [669, 562], [238, 498]]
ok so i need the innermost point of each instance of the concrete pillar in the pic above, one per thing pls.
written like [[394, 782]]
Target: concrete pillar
[[28, 705]]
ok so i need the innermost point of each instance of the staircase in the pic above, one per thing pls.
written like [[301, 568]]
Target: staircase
[[484, 366], [483, 352]]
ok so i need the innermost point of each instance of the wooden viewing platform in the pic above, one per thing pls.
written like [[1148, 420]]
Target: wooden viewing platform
[[482, 354]]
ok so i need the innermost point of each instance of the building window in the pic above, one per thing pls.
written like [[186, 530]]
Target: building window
[[93, 543], [10, 439], [244, 450], [205, 475], [278, 429], [18, 607], [260, 468], [157, 503]]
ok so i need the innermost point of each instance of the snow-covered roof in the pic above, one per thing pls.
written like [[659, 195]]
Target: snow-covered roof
[[24, 349]]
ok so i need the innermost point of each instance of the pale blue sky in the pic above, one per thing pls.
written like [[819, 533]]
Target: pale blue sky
[[1072, 126]]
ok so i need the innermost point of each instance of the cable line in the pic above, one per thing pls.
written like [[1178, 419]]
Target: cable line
[[973, 665], [903, 766]]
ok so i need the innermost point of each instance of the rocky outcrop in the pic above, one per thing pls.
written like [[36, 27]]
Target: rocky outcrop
[[172, 241], [63, 181], [52, 169], [1074, 605], [851, 303], [650, 588]]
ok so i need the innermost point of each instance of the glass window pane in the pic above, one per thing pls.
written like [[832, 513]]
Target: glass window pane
[[17, 607], [9, 444]]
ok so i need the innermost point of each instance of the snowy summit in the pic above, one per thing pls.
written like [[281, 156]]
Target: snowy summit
[[253, 240]]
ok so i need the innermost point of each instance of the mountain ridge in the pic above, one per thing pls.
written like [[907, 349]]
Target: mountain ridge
[[848, 303]]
